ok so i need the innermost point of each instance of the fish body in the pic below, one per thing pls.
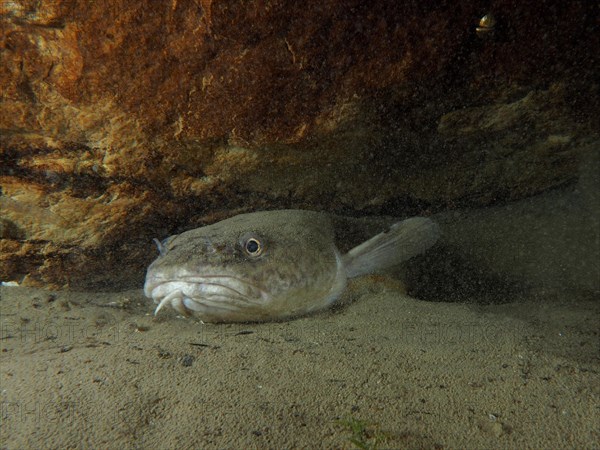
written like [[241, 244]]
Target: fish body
[[270, 265]]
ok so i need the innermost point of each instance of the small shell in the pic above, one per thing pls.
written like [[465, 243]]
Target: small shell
[[487, 24]]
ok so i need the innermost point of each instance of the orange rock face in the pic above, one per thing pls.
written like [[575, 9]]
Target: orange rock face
[[121, 121]]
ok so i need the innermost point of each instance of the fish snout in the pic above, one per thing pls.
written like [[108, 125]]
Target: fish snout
[[153, 279]]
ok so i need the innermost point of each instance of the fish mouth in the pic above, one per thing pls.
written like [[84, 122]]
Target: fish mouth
[[206, 295]]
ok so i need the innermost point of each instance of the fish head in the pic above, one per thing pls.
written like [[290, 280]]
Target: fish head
[[252, 267]]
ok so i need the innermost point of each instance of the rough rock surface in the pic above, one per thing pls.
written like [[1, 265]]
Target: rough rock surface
[[121, 121]]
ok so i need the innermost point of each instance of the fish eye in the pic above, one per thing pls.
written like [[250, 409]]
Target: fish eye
[[252, 245]]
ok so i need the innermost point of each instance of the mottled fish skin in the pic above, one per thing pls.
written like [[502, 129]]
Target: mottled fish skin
[[261, 266]]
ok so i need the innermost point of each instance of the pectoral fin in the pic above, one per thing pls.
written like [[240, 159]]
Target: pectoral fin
[[401, 242]]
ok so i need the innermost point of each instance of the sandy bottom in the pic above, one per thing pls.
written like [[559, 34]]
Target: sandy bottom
[[89, 370]]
